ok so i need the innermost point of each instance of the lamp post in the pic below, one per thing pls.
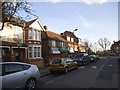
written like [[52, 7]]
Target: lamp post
[[74, 30]]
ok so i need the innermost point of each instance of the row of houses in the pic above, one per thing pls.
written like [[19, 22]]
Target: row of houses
[[31, 42]]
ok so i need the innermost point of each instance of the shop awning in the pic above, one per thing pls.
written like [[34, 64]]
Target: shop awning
[[55, 51], [63, 49]]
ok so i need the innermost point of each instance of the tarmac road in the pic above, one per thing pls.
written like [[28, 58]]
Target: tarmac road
[[101, 74]]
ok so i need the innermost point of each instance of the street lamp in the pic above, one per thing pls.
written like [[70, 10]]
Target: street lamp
[[74, 30]]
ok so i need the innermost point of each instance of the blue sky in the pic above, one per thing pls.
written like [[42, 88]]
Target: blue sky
[[93, 21]]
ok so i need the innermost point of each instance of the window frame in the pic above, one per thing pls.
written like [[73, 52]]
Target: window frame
[[12, 72], [30, 34], [30, 52]]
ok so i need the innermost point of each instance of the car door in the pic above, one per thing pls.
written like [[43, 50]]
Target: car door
[[14, 76], [73, 64], [68, 62]]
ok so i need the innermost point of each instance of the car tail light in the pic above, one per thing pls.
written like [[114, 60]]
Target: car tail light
[[61, 65]]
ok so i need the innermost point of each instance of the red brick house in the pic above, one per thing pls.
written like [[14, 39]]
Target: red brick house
[[22, 42], [33, 40], [74, 45], [12, 47], [54, 46]]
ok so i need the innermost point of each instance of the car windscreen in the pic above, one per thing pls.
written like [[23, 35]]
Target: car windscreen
[[56, 61], [78, 56]]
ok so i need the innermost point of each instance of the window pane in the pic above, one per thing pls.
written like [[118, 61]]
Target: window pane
[[38, 51], [30, 52], [30, 34], [35, 35], [35, 49], [38, 36], [53, 43], [12, 68]]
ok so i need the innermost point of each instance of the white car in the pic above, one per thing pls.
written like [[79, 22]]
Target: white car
[[19, 75]]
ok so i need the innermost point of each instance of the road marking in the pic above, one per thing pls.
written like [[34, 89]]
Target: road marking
[[110, 65], [94, 67], [49, 82], [82, 67]]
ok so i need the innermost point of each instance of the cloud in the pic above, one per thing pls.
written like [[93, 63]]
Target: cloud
[[94, 1], [85, 1]]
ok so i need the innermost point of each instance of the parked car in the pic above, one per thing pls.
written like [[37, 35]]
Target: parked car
[[19, 75], [97, 57], [63, 64], [81, 58], [93, 58]]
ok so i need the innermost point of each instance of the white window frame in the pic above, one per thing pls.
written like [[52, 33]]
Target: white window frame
[[35, 52], [53, 43], [68, 38], [39, 52], [72, 39], [35, 34], [30, 52]]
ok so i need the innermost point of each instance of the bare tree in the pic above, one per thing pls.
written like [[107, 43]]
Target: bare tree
[[12, 9], [104, 43], [87, 46]]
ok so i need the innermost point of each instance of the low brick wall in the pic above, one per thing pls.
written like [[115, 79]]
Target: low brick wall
[[38, 62]]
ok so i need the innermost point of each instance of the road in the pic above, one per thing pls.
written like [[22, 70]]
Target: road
[[100, 74]]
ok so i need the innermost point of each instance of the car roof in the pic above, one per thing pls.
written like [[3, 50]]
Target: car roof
[[14, 63]]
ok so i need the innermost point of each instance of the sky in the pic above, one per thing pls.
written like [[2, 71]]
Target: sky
[[94, 19]]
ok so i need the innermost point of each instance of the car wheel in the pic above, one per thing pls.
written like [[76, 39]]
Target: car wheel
[[66, 70], [76, 66], [30, 84]]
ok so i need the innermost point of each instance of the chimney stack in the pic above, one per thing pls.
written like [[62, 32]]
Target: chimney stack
[[46, 28]]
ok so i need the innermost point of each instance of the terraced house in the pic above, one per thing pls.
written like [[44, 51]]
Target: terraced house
[[54, 46], [74, 43]]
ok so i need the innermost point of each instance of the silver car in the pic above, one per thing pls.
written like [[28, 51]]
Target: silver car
[[19, 75]]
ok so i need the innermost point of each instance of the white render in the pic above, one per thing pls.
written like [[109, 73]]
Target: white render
[[37, 25]]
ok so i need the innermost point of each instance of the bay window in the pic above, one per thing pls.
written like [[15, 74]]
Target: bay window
[[30, 52]]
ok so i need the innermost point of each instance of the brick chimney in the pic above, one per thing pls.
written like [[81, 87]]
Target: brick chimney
[[61, 33], [46, 28]]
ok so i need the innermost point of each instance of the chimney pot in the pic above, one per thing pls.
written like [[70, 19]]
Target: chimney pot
[[46, 28]]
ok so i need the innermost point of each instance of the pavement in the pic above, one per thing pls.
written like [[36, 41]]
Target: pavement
[[44, 71]]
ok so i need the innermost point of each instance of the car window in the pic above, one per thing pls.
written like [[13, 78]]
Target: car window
[[78, 55], [56, 61], [69, 59], [26, 67], [65, 59], [12, 68]]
